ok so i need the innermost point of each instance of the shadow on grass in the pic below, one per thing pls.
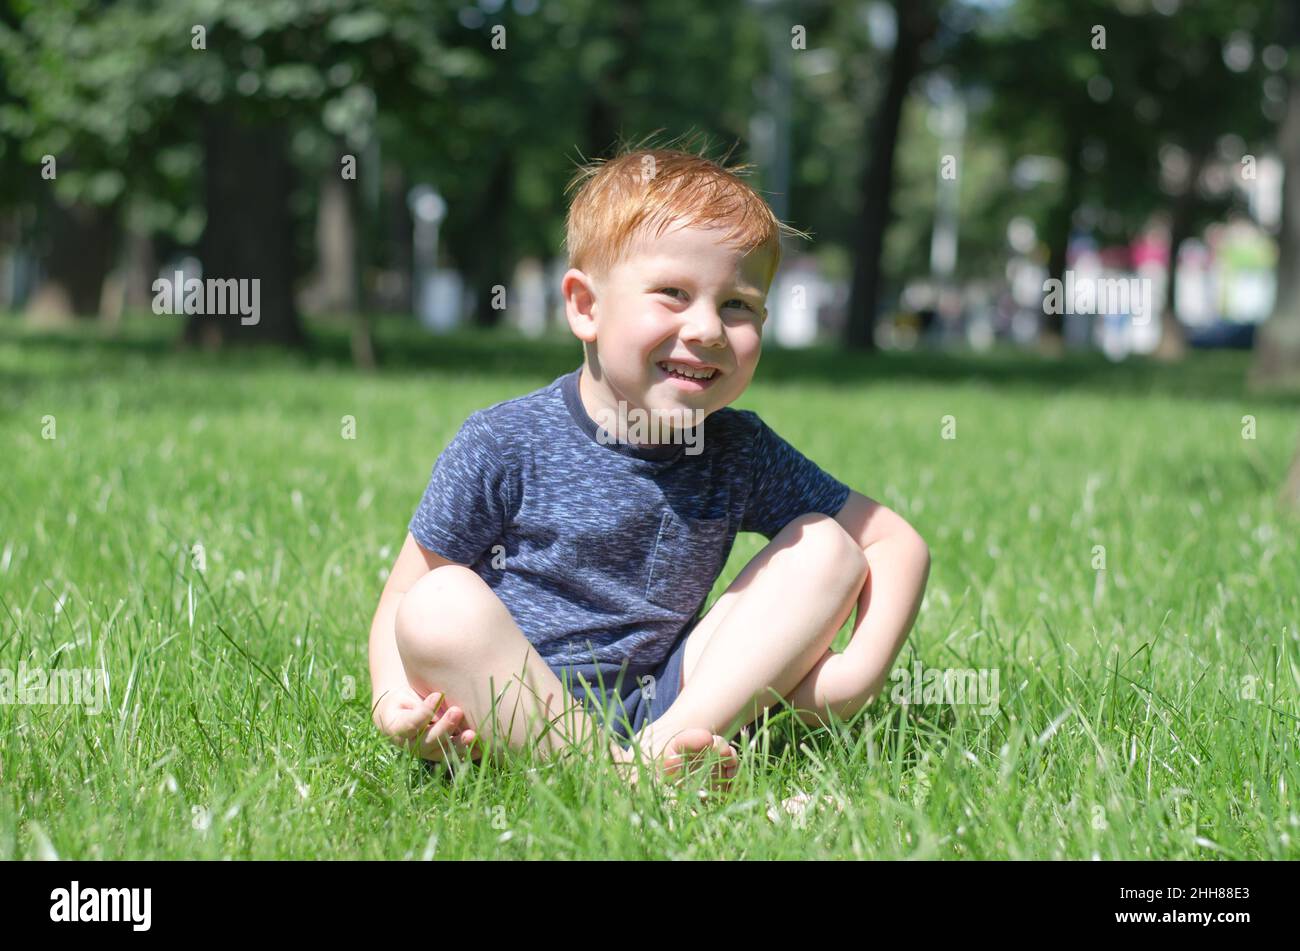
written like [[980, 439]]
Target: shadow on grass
[[403, 348]]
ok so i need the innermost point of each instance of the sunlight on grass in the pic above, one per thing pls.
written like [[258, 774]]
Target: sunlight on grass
[[200, 528]]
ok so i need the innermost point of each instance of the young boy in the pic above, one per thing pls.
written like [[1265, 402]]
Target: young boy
[[568, 538]]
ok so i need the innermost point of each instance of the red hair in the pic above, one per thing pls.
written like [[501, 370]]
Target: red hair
[[643, 190]]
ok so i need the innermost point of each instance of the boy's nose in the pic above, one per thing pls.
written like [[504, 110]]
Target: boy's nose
[[703, 324]]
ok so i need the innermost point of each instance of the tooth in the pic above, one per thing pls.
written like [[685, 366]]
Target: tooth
[[688, 372]]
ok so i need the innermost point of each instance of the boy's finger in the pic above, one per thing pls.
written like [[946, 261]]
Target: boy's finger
[[436, 734], [410, 723], [464, 747], [461, 741], [420, 719], [430, 745]]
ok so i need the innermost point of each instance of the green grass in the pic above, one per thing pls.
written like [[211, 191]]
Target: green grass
[[1147, 711]]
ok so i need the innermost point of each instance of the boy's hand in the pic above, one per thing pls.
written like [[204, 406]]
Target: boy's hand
[[426, 726]]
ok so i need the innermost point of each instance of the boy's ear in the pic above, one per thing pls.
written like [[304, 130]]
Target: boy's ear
[[579, 292]]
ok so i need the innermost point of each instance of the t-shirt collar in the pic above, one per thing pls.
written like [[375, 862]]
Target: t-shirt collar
[[664, 452]]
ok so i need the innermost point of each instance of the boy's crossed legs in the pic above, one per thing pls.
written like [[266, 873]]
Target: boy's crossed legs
[[766, 637], [455, 637], [769, 634]]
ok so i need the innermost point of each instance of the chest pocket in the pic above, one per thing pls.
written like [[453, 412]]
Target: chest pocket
[[688, 557]]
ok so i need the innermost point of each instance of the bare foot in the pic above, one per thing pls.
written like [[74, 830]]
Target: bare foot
[[684, 752]]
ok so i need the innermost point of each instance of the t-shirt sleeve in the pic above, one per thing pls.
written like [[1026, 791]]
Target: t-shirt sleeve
[[464, 508], [786, 484]]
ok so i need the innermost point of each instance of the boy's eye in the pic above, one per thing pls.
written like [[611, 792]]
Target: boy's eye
[[734, 302]]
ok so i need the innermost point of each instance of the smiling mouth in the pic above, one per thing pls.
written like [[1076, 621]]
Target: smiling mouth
[[683, 372]]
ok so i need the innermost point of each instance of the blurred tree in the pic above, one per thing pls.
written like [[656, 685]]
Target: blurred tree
[[215, 126], [1277, 346], [837, 74], [1205, 91], [275, 70], [574, 79], [1133, 102], [830, 80], [185, 116], [76, 246], [916, 22], [62, 178]]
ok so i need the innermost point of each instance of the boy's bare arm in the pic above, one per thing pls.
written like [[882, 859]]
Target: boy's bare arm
[[426, 725], [899, 561], [386, 671]]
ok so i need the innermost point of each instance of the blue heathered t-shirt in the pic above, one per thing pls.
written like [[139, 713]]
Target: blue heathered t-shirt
[[605, 552]]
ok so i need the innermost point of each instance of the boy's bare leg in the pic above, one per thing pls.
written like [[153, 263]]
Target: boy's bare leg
[[770, 628], [455, 636]]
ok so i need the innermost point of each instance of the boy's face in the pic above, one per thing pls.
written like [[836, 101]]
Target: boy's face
[[684, 301]]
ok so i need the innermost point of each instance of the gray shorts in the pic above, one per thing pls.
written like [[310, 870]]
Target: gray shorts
[[626, 699]]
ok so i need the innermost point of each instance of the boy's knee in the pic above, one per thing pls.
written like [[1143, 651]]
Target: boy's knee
[[823, 545], [437, 617]]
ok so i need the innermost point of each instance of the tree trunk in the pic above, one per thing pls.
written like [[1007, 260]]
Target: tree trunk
[[335, 288], [10, 282], [127, 287], [602, 125], [78, 257], [916, 23], [1277, 344], [1059, 225], [388, 250], [249, 236], [1173, 340], [494, 263], [139, 268], [604, 109]]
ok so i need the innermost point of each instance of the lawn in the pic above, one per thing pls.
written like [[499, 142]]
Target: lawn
[[200, 528]]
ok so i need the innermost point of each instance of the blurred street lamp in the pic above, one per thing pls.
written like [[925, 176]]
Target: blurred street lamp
[[428, 208], [948, 121]]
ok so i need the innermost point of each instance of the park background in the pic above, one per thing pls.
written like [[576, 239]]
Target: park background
[[204, 511]]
